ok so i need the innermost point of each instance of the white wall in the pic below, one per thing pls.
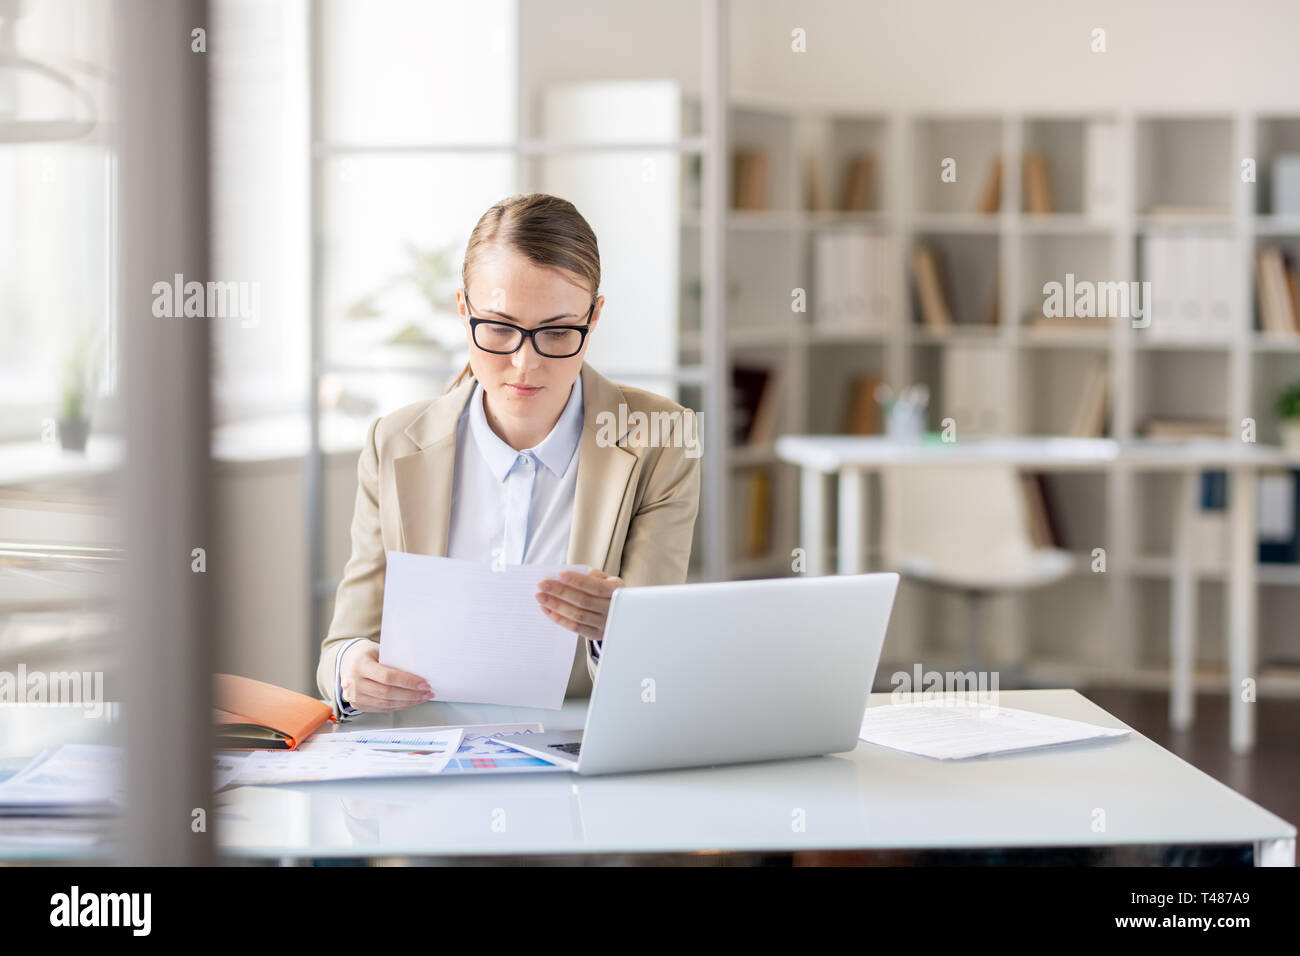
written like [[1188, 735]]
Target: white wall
[[1021, 54], [957, 54]]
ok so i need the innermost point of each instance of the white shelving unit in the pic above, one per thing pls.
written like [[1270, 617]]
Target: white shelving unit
[[1162, 159]]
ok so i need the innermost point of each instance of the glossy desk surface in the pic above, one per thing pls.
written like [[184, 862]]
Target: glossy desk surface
[[870, 798]]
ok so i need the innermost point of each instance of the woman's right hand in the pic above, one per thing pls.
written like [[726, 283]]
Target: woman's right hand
[[370, 685]]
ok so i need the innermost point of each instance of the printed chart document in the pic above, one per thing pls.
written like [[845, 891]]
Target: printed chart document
[[346, 760], [475, 632], [75, 779], [946, 731]]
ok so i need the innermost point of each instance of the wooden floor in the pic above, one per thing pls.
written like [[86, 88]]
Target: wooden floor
[[1270, 776]]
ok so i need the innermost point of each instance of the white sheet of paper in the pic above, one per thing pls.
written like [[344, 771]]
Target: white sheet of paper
[[475, 632], [948, 732]]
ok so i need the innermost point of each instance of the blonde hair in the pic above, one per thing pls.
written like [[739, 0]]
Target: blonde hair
[[546, 230]]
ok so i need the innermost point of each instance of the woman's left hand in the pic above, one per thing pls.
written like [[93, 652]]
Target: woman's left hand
[[578, 602]]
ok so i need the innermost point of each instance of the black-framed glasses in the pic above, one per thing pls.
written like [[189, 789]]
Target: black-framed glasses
[[551, 341]]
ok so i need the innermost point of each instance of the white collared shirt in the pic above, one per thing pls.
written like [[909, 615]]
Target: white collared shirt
[[508, 506]]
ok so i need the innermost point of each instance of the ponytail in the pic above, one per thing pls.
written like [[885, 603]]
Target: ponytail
[[459, 378]]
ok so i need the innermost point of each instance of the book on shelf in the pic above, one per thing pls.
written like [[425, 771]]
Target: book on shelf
[[1185, 428], [758, 511], [935, 313], [995, 300], [991, 197], [1174, 210], [859, 179], [1090, 413], [749, 179], [1038, 191], [855, 275], [753, 405], [1040, 521], [1276, 292], [1192, 282], [762, 427], [862, 416], [1055, 323], [814, 194]]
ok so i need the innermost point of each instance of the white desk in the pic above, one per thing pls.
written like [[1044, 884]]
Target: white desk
[[1157, 807], [853, 458]]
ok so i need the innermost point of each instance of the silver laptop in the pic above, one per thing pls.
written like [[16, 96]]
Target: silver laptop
[[703, 674]]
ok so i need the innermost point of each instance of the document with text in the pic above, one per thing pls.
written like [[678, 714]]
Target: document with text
[[474, 631], [946, 731]]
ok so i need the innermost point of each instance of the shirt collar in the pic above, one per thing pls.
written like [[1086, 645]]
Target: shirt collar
[[555, 451]]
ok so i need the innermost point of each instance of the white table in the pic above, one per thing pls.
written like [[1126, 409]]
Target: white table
[[852, 458], [1157, 808]]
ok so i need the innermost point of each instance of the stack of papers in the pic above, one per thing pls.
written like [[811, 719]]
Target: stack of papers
[[946, 731]]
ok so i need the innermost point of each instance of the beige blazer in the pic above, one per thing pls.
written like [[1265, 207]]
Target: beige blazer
[[633, 512]]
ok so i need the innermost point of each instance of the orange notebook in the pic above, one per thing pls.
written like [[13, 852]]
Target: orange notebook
[[253, 715]]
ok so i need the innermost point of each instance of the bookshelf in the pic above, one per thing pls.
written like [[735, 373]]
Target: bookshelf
[[1120, 182]]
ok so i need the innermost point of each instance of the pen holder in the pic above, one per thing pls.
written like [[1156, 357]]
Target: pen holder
[[904, 413]]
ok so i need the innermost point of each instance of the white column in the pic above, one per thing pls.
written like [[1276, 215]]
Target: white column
[[812, 519], [1242, 598], [1182, 608], [853, 520]]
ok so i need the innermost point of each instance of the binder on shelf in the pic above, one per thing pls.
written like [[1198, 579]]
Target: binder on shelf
[[853, 275], [1278, 507], [253, 715], [1191, 286]]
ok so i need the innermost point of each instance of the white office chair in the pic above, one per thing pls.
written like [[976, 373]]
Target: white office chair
[[967, 529]]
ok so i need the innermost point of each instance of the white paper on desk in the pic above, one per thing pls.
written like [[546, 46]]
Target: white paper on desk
[[343, 761], [76, 776], [949, 732], [475, 632]]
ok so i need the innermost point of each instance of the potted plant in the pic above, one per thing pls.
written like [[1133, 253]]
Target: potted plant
[[1288, 410], [76, 387]]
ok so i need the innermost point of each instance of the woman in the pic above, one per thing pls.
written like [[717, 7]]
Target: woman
[[516, 462]]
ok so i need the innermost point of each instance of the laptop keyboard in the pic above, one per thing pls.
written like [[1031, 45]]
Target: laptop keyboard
[[571, 749]]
